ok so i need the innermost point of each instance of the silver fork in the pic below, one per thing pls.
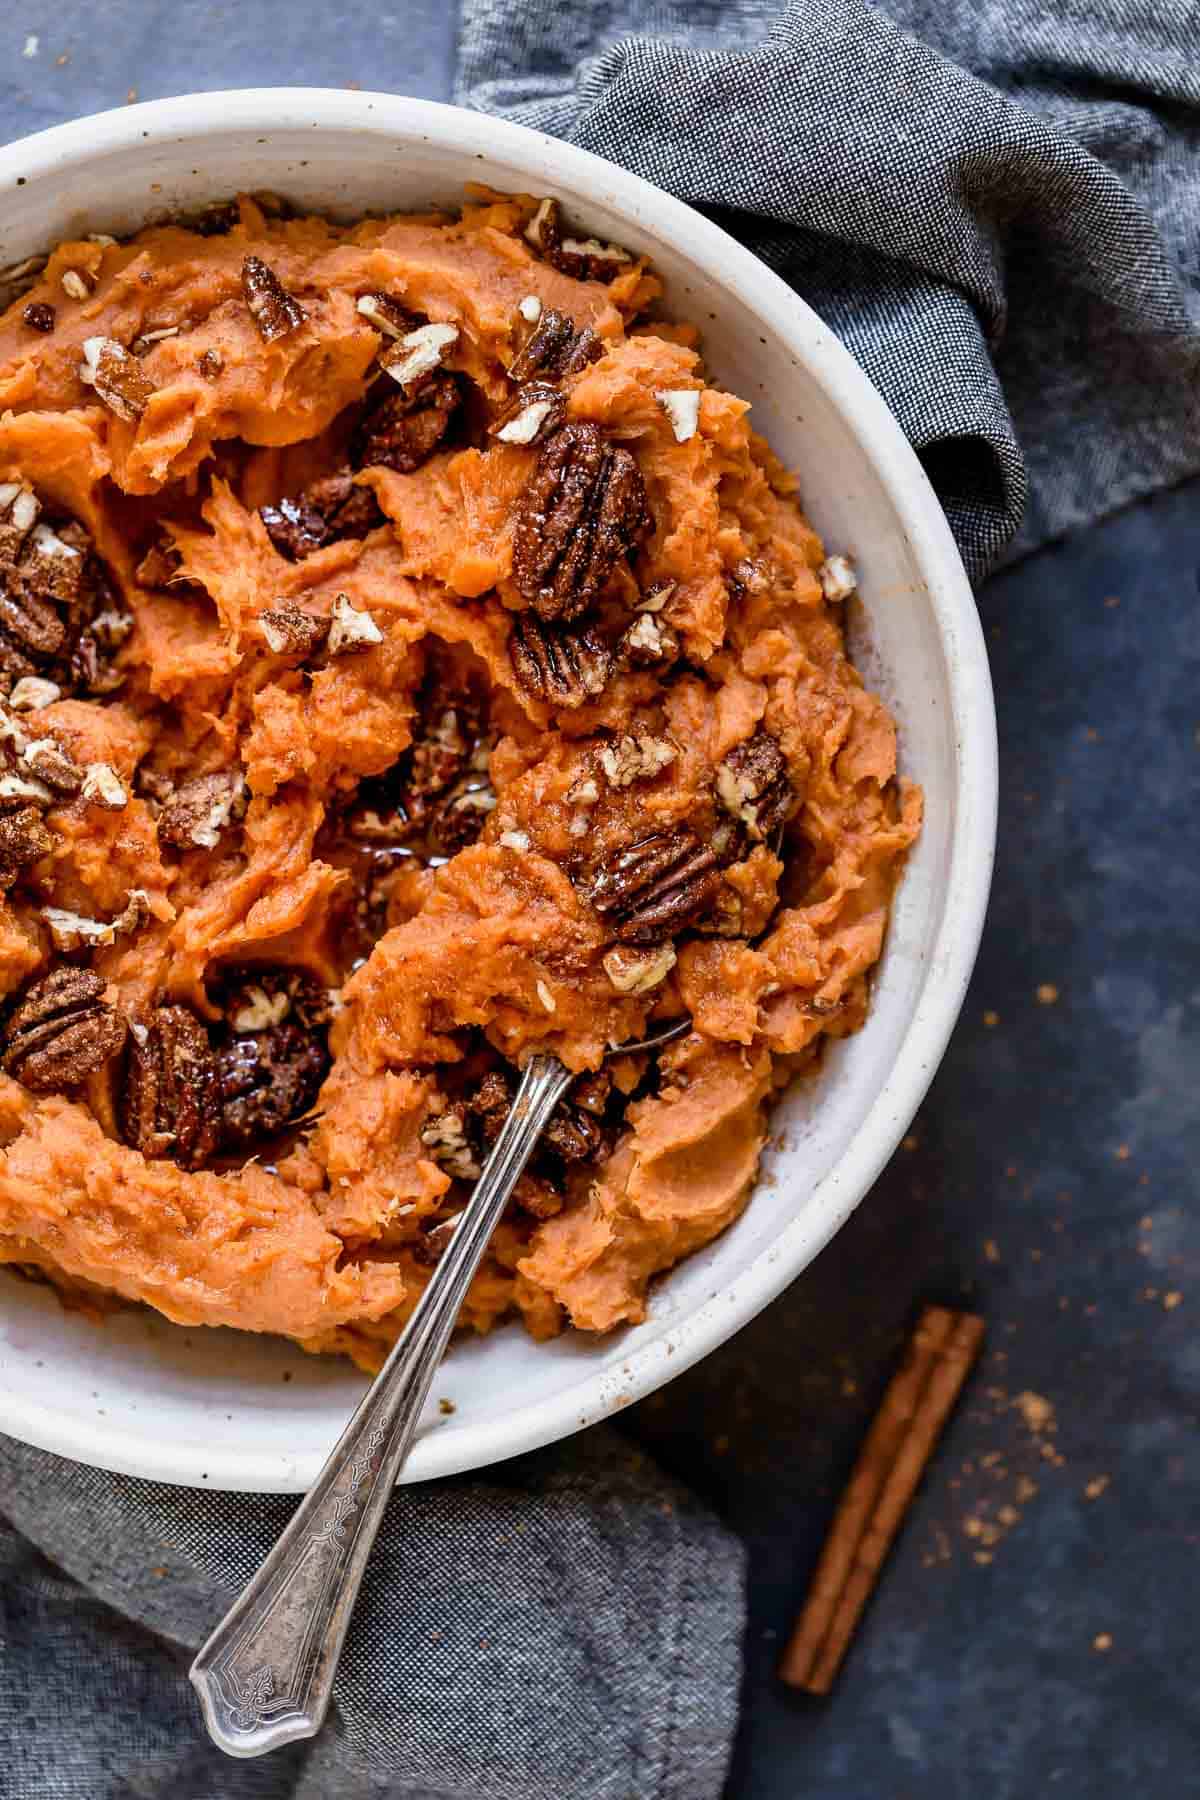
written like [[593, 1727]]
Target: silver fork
[[265, 1676]]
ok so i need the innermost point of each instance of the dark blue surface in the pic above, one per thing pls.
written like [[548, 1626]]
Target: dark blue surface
[[1034, 1629]]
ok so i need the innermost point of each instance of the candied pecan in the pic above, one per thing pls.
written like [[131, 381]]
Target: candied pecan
[[533, 413], [753, 785], [387, 314], [434, 1240], [254, 999], [647, 643], [584, 507], [573, 1134], [586, 259], [170, 1102], [47, 761], [657, 885], [635, 970], [38, 316], [295, 527], [200, 810], [538, 1197], [490, 1105], [161, 565], [444, 1136], [61, 1030], [23, 838], [266, 1080], [119, 381], [290, 631], [405, 429], [58, 611], [554, 349], [458, 819], [564, 668], [273, 309], [593, 1092], [327, 511]]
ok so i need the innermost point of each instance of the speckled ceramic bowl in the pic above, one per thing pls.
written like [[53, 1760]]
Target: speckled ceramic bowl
[[233, 1411]]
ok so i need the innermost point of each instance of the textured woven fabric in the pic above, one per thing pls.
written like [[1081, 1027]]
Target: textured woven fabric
[[996, 203], [569, 1626]]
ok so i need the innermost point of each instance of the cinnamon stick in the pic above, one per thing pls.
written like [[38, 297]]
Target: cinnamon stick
[[890, 1464]]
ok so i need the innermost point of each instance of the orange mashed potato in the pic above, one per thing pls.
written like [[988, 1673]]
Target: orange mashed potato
[[521, 730]]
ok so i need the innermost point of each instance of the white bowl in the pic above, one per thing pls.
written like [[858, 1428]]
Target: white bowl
[[240, 1412]]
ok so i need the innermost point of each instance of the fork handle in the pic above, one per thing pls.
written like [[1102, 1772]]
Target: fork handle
[[265, 1676]]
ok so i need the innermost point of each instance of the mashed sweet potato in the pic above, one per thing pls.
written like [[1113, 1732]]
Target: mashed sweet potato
[[408, 661]]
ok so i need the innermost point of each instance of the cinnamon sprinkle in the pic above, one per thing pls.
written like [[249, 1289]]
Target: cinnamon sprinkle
[[890, 1465]]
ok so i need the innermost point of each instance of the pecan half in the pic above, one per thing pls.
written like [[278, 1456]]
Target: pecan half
[[61, 1031], [439, 788], [555, 349], [405, 429], [656, 886], [753, 785], [327, 511], [267, 1080], [574, 1132], [563, 668], [170, 1102], [201, 809], [584, 508], [273, 309]]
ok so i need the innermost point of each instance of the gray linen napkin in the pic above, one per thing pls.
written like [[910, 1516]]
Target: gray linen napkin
[[998, 206], [996, 203], [568, 1625]]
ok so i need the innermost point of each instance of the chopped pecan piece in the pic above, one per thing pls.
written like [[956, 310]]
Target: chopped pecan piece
[[210, 364], [75, 931], [328, 510], [118, 378], [23, 838], [351, 628], [657, 886], [753, 785], [538, 1197], [273, 309], [290, 631], [444, 1136], [573, 1134], [47, 761], [458, 819], [201, 809], [405, 429], [586, 259], [554, 349], [434, 1240], [564, 668], [584, 508], [647, 642], [39, 316], [254, 999], [386, 314], [633, 759], [61, 1031], [682, 407], [635, 971], [533, 413], [491, 1104], [170, 1103], [267, 1080], [418, 353], [58, 611]]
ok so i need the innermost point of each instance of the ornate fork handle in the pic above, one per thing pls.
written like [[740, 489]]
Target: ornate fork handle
[[266, 1674]]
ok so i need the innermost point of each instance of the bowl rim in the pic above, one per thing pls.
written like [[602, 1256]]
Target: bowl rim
[[190, 118]]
